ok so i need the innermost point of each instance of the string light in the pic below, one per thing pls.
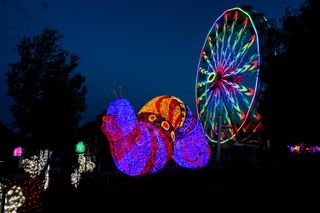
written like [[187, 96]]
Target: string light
[[13, 199], [1, 194], [46, 178], [304, 148], [31, 189], [75, 178], [85, 164], [35, 164]]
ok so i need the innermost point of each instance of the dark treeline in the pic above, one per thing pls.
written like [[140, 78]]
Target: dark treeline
[[289, 110]]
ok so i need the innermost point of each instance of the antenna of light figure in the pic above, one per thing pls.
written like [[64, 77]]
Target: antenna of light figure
[[114, 93], [118, 94], [120, 91]]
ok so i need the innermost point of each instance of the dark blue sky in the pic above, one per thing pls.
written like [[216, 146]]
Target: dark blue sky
[[151, 48]]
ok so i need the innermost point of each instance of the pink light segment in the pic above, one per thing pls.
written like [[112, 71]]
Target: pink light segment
[[17, 152]]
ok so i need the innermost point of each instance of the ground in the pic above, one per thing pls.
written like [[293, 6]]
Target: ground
[[279, 183], [283, 187]]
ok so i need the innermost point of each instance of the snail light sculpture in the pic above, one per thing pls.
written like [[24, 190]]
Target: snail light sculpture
[[164, 127]]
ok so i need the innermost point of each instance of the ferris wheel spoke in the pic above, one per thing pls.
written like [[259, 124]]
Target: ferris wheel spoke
[[239, 102], [228, 63], [249, 70], [240, 55], [240, 33], [203, 71], [235, 19], [241, 106], [207, 60], [230, 123], [243, 52], [209, 115], [240, 36], [245, 100], [202, 84], [214, 106], [234, 107], [229, 66], [224, 31], [230, 32], [232, 61], [212, 49], [203, 95], [217, 41], [202, 101], [241, 88], [251, 66], [204, 106]]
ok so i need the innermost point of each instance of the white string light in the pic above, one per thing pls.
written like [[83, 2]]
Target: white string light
[[13, 200], [35, 164], [85, 165], [1, 194], [46, 178]]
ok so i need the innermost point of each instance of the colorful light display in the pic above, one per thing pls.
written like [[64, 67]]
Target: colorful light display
[[304, 148], [135, 154], [159, 122], [35, 164], [130, 144], [228, 75], [169, 107], [46, 178], [85, 164], [13, 200], [75, 178], [125, 115], [17, 152], [147, 147], [163, 147], [80, 147], [192, 150], [23, 195]]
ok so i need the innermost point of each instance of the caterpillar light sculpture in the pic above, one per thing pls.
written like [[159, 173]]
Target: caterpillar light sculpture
[[144, 143]]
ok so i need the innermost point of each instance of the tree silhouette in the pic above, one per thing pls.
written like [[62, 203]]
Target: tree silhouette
[[49, 96], [6, 141], [291, 111]]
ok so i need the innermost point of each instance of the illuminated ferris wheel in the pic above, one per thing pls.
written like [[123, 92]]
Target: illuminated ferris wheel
[[227, 80]]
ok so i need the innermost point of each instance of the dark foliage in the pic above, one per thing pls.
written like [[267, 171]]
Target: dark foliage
[[290, 109], [49, 95]]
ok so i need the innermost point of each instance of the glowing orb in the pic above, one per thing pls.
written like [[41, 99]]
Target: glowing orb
[[17, 152]]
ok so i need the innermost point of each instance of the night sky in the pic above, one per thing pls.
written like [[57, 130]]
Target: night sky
[[150, 48]]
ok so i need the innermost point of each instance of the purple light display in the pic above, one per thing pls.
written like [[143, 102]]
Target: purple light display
[[131, 154], [304, 148], [192, 150], [125, 115], [163, 147]]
